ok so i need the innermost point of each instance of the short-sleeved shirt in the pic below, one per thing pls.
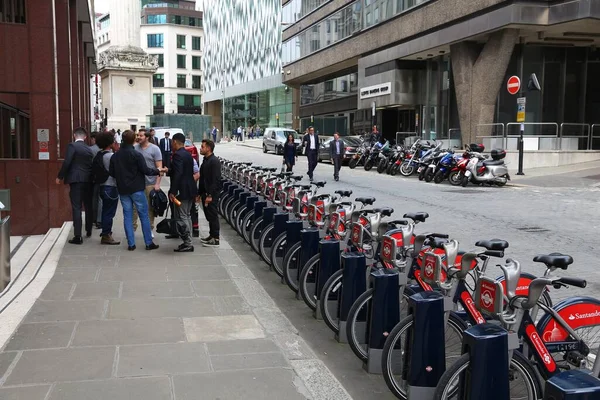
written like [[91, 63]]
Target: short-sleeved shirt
[[151, 154], [106, 160]]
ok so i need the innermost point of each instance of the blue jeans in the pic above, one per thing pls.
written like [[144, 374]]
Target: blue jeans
[[110, 201], [141, 205]]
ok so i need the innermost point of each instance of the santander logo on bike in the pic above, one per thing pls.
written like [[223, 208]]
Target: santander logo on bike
[[487, 296], [429, 267], [594, 314]]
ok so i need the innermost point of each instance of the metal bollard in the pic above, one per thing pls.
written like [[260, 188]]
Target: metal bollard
[[4, 252], [354, 283], [425, 361], [384, 315], [572, 385], [293, 229], [485, 342], [309, 247], [330, 263]]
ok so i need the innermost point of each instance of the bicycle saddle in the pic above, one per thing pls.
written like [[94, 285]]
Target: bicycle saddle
[[385, 211], [296, 178], [304, 187], [319, 184], [271, 169], [418, 216], [556, 260], [246, 163], [285, 173], [397, 222], [492, 244], [344, 193], [322, 196], [365, 200], [437, 243]]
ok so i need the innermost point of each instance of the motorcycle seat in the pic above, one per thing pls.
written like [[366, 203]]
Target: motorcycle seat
[[493, 244], [365, 200], [418, 216], [492, 162], [385, 211], [344, 193], [319, 184], [556, 260]]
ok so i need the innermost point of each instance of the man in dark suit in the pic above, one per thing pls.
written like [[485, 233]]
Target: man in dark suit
[[76, 170], [311, 149], [183, 189], [337, 150], [165, 148]]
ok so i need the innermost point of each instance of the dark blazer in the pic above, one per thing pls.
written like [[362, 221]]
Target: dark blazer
[[77, 165], [163, 142], [306, 143], [210, 177], [333, 151], [183, 184]]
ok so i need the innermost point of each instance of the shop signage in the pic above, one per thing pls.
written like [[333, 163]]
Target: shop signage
[[521, 101], [383, 89], [513, 85]]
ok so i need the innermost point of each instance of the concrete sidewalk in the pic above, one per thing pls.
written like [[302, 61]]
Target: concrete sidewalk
[[114, 324]]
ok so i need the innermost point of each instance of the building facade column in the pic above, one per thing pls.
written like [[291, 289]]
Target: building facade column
[[63, 57], [478, 73], [74, 29]]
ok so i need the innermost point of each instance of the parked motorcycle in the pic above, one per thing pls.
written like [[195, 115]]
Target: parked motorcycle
[[410, 163], [376, 149], [491, 172], [445, 166], [458, 172], [426, 159], [361, 155]]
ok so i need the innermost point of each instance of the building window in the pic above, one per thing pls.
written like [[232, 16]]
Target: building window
[[181, 61], [155, 40], [196, 81], [158, 80], [12, 11], [159, 100], [196, 42], [178, 19], [195, 62], [161, 60], [192, 21], [156, 19], [181, 41], [180, 80], [189, 104]]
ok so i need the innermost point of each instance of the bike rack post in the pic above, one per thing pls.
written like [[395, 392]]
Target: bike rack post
[[236, 193], [259, 206], [231, 189], [384, 315], [250, 201], [572, 385], [354, 283], [279, 223], [226, 185], [485, 342], [426, 345], [243, 197], [268, 214], [293, 229], [310, 247], [330, 263]]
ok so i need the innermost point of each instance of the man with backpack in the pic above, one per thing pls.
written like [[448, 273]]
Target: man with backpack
[[107, 185]]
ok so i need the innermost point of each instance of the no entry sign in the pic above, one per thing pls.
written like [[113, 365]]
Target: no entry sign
[[513, 85]]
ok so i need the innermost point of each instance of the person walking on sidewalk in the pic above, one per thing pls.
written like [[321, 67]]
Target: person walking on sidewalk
[[183, 189], [209, 190], [107, 185], [153, 157], [76, 170], [129, 169], [336, 150], [289, 153], [165, 148], [311, 146]]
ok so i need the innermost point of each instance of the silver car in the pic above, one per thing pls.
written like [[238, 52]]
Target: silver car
[[275, 138]]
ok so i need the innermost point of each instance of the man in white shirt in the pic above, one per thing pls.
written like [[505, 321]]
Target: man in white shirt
[[154, 159], [311, 149]]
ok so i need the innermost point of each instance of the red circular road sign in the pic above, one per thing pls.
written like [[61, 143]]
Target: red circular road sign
[[513, 85]]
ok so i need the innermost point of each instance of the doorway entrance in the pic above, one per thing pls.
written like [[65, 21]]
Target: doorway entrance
[[395, 120]]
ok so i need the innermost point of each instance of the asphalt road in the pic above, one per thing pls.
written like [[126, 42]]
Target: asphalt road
[[532, 216]]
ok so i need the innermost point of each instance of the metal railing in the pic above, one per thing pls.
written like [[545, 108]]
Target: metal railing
[[574, 136], [544, 135], [594, 143], [496, 137], [408, 138]]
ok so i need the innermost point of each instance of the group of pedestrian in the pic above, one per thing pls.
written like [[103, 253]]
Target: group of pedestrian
[[132, 174], [310, 143]]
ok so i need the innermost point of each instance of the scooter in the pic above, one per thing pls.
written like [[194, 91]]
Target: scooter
[[492, 172]]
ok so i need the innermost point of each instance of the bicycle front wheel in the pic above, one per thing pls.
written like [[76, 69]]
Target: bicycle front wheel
[[291, 264], [329, 301], [524, 384]]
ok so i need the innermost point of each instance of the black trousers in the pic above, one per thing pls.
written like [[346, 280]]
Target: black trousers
[[337, 164], [212, 216], [166, 159], [81, 194], [312, 156]]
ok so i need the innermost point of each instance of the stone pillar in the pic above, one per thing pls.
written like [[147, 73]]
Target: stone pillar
[[125, 19], [478, 75]]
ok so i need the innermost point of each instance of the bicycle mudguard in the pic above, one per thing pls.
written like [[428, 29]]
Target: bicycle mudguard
[[577, 312]]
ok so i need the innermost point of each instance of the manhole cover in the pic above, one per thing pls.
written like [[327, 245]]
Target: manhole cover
[[533, 229]]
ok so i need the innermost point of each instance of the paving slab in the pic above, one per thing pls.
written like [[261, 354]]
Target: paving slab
[[132, 290], [215, 288], [248, 385], [122, 332], [231, 305], [46, 311], [241, 347], [45, 366], [164, 359], [25, 393], [96, 290], [41, 336], [140, 260], [6, 360], [57, 291], [87, 261], [206, 329], [248, 361], [135, 274], [196, 273], [72, 274], [155, 388], [203, 259], [156, 308]]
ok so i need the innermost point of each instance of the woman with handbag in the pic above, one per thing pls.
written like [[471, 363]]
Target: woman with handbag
[[289, 153]]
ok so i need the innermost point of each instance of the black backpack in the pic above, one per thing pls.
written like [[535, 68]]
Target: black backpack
[[99, 173], [159, 202]]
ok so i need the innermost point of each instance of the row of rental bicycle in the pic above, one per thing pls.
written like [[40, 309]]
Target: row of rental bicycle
[[409, 303]]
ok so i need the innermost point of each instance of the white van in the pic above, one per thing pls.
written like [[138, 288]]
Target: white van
[[159, 132]]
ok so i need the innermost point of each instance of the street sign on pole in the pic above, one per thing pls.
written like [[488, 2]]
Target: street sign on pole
[[521, 109], [513, 85]]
